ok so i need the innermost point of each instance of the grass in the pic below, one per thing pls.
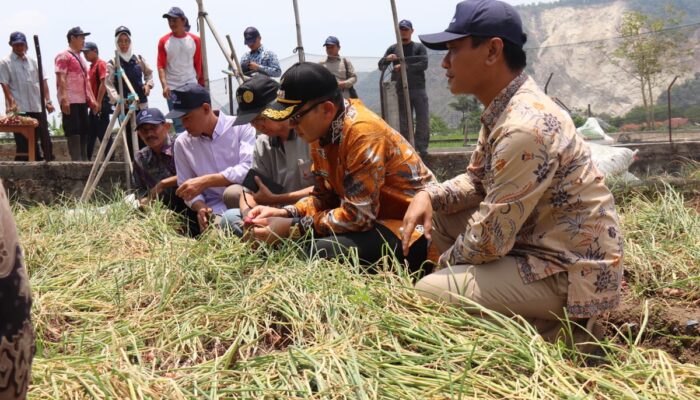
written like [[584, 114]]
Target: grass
[[126, 308]]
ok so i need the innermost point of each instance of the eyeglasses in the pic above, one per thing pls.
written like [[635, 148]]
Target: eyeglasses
[[294, 119]]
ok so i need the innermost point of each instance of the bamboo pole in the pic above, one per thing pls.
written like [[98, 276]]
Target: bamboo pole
[[203, 40], [222, 46], [100, 152], [300, 47], [404, 75], [119, 72], [239, 75]]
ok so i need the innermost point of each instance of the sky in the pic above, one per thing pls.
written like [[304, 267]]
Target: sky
[[364, 27]]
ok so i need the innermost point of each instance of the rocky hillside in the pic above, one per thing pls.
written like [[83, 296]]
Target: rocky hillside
[[583, 74]]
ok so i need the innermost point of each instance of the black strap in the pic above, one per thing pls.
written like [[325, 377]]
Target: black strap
[[79, 63]]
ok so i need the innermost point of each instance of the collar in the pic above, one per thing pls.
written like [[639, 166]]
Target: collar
[[15, 57], [333, 58], [335, 132], [258, 50], [167, 149], [222, 126], [500, 102], [278, 143]]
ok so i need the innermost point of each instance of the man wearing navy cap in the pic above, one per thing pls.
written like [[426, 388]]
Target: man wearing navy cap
[[258, 60], [98, 119], [341, 67], [416, 63], [74, 93], [212, 157], [530, 229], [19, 77], [179, 58]]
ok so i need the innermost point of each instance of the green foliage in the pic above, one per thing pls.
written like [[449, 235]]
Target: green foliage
[[55, 129], [438, 126]]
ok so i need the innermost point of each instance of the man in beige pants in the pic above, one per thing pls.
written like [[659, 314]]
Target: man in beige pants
[[530, 229]]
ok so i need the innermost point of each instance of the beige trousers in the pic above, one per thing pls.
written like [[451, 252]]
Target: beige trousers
[[232, 195], [496, 285]]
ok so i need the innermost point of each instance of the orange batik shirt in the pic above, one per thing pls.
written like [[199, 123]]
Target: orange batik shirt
[[365, 172]]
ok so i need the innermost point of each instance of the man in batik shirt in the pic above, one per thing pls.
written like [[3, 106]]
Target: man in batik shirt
[[366, 173], [258, 60], [530, 229]]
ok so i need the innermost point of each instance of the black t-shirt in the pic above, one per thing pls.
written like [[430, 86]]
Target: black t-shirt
[[417, 61]]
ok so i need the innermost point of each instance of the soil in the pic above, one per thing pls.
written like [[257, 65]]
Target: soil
[[673, 326]]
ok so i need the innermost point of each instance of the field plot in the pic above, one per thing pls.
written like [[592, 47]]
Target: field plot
[[124, 307]]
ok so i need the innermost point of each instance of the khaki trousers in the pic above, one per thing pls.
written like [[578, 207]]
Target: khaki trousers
[[496, 285], [232, 196]]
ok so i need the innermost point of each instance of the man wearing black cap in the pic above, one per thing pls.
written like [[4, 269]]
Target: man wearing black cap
[[341, 67], [19, 78], [530, 229], [98, 119], [155, 176], [258, 60], [179, 57], [279, 154], [212, 157], [416, 63], [366, 173], [74, 93]]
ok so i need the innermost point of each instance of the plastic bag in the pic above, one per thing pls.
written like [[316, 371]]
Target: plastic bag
[[591, 131], [612, 160]]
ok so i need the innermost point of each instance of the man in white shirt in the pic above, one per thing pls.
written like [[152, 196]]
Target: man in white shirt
[[179, 57], [212, 158]]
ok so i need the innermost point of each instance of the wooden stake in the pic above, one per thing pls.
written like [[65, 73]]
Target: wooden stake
[[404, 75], [203, 40]]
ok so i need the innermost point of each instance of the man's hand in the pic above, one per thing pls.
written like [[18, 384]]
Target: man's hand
[[156, 191], [50, 108], [98, 108], [10, 106], [275, 229], [397, 67], [166, 93], [260, 214], [203, 216], [392, 57], [341, 85], [420, 212], [65, 107], [191, 188], [253, 66], [146, 90], [264, 195]]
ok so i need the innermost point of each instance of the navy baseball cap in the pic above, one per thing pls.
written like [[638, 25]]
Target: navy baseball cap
[[253, 96], [17, 37], [301, 83], [76, 31], [122, 29], [332, 40], [174, 12], [88, 46], [188, 98], [405, 24], [250, 34], [149, 116], [486, 18]]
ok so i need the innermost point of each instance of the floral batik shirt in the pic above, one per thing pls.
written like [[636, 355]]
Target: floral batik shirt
[[540, 199]]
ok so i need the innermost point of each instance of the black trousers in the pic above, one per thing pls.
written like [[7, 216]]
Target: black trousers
[[97, 124], [419, 105], [176, 204], [41, 134], [370, 245]]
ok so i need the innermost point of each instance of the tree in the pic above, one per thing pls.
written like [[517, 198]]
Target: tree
[[650, 52], [470, 108]]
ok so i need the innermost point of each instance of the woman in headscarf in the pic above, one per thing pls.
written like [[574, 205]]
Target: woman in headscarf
[[16, 331], [135, 69]]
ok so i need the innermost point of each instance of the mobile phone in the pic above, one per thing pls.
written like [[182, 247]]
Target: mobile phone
[[250, 184]]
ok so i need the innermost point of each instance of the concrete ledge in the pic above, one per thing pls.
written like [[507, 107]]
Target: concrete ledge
[[40, 182]]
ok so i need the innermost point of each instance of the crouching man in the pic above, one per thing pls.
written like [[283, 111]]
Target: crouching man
[[530, 229], [366, 174], [279, 155], [154, 167]]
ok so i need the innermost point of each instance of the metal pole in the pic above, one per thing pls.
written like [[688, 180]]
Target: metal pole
[[300, 47], [237, 70], [670, 126], [404, 75], [202, 37], [46, 146]]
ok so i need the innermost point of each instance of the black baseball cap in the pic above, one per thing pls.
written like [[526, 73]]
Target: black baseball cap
[[188, 98], [332, 40], [76, 31], [17, 37], [405, 24], [486, 18], [149, 116], [174, 12], [250, 34], [253, 97], [122, 29], [88, 46], [303, 82]]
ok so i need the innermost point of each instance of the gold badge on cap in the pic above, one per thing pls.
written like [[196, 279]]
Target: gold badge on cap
[[248, 96]]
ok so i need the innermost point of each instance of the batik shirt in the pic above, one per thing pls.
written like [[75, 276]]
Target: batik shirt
[[365, 172], [540, 199], [266, 59], [151, 168]]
